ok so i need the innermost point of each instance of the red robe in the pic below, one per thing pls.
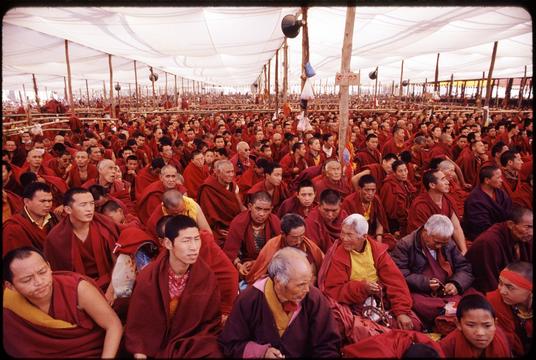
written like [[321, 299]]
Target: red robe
[[65, 251], [240, 237], [353, 205], [288, 163], [151, 198], [194, 177], [423, 207], [24, 339], [322, 183], [396, 197], [376, 170], [470, 167], [18, 231], [76, 181], [391, 147], [14, 202], [119, 190], [441, 150], [248, 179], [219, 205], [507, 321], [144, 178], [455, 345], [193, 329], [280, 194], [293, 205], [522, 196], [367, 157], [458, 195], [322, 233]]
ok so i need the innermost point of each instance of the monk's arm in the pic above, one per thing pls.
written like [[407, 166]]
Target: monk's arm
[[459, 172], [202, 220], [94, 304], [416, 282], [458, 235], [395, 285], [356, 177], [341, 288]]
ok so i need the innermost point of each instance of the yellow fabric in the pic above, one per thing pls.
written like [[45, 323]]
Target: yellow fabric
[[6, 211], [190, 208], [173, 307], [48, 217], [363, 264], [23, 308], [282, 319]]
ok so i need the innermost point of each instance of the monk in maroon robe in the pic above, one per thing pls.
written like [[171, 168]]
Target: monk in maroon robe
[[273, 184], [523, 194], [147, 175], [195, 174], [77, 321], [180, 293], [378, 171], [252, 176], [293, 163], [471, 161], [11, 204], [300, 203], [332, 178], [370, 154], [323, 225], [81, 171]]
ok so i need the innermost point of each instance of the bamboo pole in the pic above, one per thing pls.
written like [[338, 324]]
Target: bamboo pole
[[436, 83], [69, 88], [344, 86], [112, 102], [285, 72], [36, 93], [490, 73], [305, 44], [401, 77]]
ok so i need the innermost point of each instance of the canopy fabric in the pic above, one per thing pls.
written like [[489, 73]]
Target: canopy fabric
[[230, 46]]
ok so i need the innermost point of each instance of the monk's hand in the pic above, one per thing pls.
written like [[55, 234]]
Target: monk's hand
[[450, 289], [434, 284], [467, 186], [373, 288], [110, 294], [58, 211], [273, 353], [68, 168], [140, 356], [224, 232], [224, 318], [245, 267], [404, 322]]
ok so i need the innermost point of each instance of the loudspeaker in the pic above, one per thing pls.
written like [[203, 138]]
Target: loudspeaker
[[153, 76], [405, 83], [290, 26], [373, 74]]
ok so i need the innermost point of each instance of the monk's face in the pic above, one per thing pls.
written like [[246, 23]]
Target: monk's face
[[185, 247], [82, 208], [442, 184], [168, 176], [517, 163], [34, 158], [209, 157], [306, 196], [511, 293], [198, 160], [367, 192], [333, 171], [276, 177], [295, 237], [260, 211], [401, 172], [478, 327], [372, 143], [298, 283], [32, 278], [495, 181], [117, 216], [316, 145], [434, 242], [107, 173], [522, 231], [350, 239], [387, 165], [329, 212], [40, 204], [225, 173], [10, 146]]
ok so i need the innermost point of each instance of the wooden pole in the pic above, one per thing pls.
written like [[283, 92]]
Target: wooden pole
[[305, 44], [165, 93], [269, 81], [37, 93], [358, 86], [66, 97], [276, 80], [344, 86], [490, 73], [154, 94], [138, 92], [87, 93], [112, 102], [20, 97], [375, 89], [46, 94], [265, 81], [182, 86], [104, 89], [176, 95], [450, 87], [70, 93], [436, 83], [401, 77], [285, 72], [129, 98], [521, 88]]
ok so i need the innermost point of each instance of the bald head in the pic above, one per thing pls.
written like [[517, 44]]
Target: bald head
[[172, 199], [288, 264], [103, 164]]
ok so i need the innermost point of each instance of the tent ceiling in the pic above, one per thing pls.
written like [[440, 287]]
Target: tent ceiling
[[229, 46]]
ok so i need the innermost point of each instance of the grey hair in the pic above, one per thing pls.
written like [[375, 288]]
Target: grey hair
[[439, 225], [445, 165], [168, 166], [282, 264], [171, 198], [358, 223], [103, 163], [220, 163]]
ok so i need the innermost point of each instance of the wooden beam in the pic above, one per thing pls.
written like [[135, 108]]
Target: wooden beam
[[285, 71], [112, 102], [490, 73], [37, 93], [436, 79], [87, 93], [69, 87], [138, 92], [305, 44], [521, 88], [401, 79]]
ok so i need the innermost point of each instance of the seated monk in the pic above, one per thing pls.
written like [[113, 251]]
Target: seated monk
[[81, 171], [294, 162], [486, 205], [116, 188], [292, 234], [435, 270], [57, 187], [332, 178], [11, 204], [358, 269], [435, 200], [34, 163], [477, 334], [365, 201], [195, 173], [115, 211], [523, 194], [175, 203], [456, 191], [512, 301], [51, 315], [511, 164], [249, 231], [397, 193], [219, 198], [147, 175], [252, 175], [395, 344], [9, 178], [179, 292], [370, 153], [83, 241], [378, 171], [300, 203], [273, 184], [471, 161], [323, 225], [281, 315], [241, 160], [151, 197], [500, 245], [30, 226]]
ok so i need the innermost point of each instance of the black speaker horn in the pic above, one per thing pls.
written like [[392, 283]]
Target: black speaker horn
[[373, 74], [291, 26], [405, 83]]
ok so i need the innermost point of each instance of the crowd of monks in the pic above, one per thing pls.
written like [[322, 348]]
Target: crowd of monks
[[232, 234]]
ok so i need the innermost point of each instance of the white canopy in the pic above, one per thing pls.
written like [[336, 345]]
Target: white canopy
[[230, 46]]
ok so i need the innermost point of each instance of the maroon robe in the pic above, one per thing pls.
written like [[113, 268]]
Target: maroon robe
[[455, 345], [192, 330], [293, 205], [322, 233], [76, 181], [24, 339], [353, 205], [522, 196], [441, 150], [194, 177], [376, 170], [248, 179], [288, 163], [144, 178], [396, 197], [14, 202], [322, 183], [150, 199], [367, 157], [470, 166], [19, 231], [423, 207], [119, 189], [391, 147], [280, 193]]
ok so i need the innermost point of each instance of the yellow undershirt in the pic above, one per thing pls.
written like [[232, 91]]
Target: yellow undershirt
[[363, 264]]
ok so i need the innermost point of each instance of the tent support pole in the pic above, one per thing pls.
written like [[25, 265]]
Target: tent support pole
[[305, 44], [37, 93], [490, 73], [436, 79], [285, 72], [112, 103], [69, 88], [276, 80], [521, 87], [401, 77]]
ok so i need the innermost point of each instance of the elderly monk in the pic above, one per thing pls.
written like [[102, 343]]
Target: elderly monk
[[456, 192], [241, 161], [512, 302], [175, 203], [273, 184], [500, 245], [282, 315], [34, 163], [213, 255], [30, 226], [378, 171], [151, 197], [147, 175], [397, 193], [116, 188], [292, 234], [81, 171], [300, 203], [323, 225], [249, 231], [435, 270], [365, 201], [84, 240], [54, 315], [487, 204], [219, 198], [179, 292], [357, 268], [332, 178], [436, 200], [195, 173]]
